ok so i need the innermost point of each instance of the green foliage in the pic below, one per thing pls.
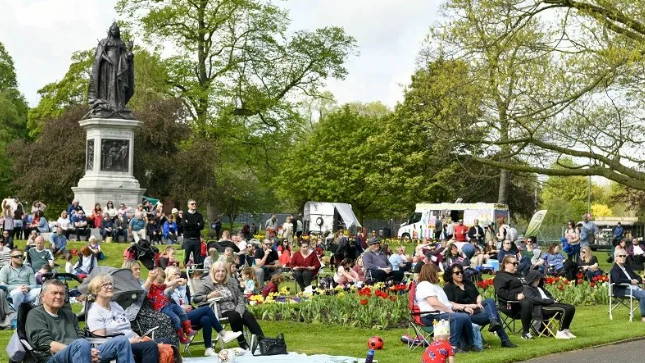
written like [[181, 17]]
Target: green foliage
[[7, 70], [334, 162]]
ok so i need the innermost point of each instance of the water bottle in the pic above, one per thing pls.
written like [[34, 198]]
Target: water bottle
[[370, 356], [14, 323]]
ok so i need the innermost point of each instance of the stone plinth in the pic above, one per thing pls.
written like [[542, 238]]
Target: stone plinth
[[109, 164]]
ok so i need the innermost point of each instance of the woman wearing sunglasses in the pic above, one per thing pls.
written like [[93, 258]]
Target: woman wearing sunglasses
[[627, 282], [482, 312], [509, 286]]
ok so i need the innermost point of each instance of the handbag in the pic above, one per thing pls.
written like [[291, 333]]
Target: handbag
[[271, 346]]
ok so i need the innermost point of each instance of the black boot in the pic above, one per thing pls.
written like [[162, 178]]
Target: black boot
[[494, 325]]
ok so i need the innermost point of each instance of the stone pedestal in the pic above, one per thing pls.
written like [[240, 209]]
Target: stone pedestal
[[109, 164]]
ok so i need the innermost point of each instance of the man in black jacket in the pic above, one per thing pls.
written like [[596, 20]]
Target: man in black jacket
[[193, 223], [626, 281], [509, 286]]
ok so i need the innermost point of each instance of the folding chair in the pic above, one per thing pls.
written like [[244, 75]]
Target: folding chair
[[212, 303], [508, 316], [420, 333], [21, 332], [550, 325], [616, 301]]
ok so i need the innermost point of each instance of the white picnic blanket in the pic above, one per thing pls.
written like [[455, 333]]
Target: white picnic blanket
[[285, 358]]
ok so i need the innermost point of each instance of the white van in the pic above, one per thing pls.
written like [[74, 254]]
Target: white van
[[422, 222]]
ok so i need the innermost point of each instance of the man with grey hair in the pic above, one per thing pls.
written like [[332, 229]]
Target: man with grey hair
[[54, 334], [589, 231], [137, 227]]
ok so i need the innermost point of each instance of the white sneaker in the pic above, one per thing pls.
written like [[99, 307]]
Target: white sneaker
[[561, 335], [210, 352], [228, 336], [569, 334]]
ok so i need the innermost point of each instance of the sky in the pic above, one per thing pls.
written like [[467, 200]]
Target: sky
[[41, 36]]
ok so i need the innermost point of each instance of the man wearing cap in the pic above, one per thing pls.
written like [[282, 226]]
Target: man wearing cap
[[377, 263]]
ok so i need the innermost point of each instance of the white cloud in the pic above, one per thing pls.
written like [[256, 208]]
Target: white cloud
[[41, 35]]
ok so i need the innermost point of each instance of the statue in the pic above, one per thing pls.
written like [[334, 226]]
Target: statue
[[112, 77]]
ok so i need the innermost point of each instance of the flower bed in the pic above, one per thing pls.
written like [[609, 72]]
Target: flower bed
[[382, 307]]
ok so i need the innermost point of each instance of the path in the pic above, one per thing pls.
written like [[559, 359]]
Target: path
[[627, 352]]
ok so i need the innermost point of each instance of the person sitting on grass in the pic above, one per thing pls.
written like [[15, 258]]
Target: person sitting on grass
[[544, 305], [440, 350], [160, 302], [248, 281], [345, 275], [86, 263], [95, 247], [58, 242], [273, 286], [54, 333], [626, 281], [39, 255]]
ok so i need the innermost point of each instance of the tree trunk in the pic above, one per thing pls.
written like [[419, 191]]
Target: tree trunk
[[211, 212], [504, 186]]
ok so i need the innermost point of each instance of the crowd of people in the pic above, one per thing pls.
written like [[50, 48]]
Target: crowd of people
[[234, 267]]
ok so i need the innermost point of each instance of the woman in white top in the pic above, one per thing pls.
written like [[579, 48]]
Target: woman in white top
[[106, 317], [202, 317], [110, 210], [572, 236], [434, 305], [64, 223]]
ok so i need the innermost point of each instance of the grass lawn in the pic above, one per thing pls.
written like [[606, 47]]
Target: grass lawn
[[591, 325]]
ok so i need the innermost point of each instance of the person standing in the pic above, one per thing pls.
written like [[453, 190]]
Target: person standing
[[193, 223], [461, 231], [589, 231], [476, 232], [271, 227]]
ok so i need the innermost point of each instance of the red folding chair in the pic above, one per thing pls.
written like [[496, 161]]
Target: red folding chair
[[419, 333]]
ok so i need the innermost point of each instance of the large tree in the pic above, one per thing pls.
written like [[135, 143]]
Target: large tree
[[13, 118], [586, 102], [238, 71]]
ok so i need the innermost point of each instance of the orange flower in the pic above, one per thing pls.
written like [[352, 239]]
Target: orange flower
[[363, 302]]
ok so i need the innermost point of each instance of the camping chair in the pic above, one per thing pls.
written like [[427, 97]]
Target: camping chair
[[616, 301], [420, 333], [509, 316], [21, 331], [550, 325], [190, 271]]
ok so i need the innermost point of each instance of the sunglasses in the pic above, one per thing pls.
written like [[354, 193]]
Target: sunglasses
[[16, 256], [193, 204], [458, 273], [621, 256], [514, 263]]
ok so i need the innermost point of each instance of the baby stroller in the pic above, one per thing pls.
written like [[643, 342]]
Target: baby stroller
[[127, 288], [145, 252]]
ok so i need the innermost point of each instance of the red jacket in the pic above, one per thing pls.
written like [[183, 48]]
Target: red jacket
[[297, 260], [157, 298]]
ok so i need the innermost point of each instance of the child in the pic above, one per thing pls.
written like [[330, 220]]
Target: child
[[43, 270], [248, 282], [541, 297], [440, 350], [160, 302], [69, 267], [273, 285]]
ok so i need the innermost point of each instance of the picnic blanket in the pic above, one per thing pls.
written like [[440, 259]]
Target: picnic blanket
[[285, 358]]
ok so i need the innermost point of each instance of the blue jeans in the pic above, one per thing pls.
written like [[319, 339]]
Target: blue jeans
[[176, 315], [575, 253], [489, 313], [460, 326], [204, 318], [79, 351], [640, 295]]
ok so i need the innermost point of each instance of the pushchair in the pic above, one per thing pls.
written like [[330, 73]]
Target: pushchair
[[145, 252]]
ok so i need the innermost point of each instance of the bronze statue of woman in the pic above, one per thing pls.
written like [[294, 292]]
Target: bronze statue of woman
[[112, 78]]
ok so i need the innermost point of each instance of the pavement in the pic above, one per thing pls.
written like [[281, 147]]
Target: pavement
[[623, 352]]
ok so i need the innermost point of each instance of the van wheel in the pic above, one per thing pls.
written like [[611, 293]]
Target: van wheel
[[405, 236]]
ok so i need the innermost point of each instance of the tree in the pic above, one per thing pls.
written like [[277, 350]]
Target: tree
[[584, 101], [333, 163], [13, 118], [417, 160], [48, 167]]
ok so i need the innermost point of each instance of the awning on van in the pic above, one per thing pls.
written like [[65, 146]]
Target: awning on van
[[347, 214]]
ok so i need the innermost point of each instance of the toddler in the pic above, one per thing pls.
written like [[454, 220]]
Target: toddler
[[440, 350], [69, 267], [273, 285], [248, 281], [43, 270], [160, 302]]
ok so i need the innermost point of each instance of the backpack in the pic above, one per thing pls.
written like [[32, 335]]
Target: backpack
[[510, 234]]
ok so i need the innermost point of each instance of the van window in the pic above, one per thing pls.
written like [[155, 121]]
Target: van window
[[414, 218]]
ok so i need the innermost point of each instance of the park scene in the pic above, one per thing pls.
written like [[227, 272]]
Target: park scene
[[331, 181]]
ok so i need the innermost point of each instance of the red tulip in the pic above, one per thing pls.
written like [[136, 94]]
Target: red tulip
[[363, 302]]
